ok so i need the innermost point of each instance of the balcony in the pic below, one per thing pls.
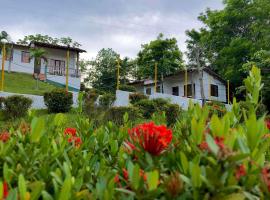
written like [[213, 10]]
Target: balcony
[[61, 71]]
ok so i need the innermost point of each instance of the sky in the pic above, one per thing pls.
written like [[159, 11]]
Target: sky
[[123, 25]]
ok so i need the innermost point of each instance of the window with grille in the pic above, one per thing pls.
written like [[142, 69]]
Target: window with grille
[[25, 57], [214, 90], [148, 91]]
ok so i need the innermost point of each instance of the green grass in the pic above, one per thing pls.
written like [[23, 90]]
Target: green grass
[[24, 84]]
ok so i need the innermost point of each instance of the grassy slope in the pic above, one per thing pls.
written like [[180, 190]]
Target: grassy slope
[[24, 84]]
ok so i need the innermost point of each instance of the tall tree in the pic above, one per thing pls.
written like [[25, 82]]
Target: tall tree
[[231, 36], [103, 72], [164, 52], [48, 39]]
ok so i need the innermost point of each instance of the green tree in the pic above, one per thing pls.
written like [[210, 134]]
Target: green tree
[[102, 74], [164, 52], [48, 39], [231, 36]]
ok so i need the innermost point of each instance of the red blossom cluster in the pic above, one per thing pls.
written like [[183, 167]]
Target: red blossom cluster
[[240, 171], [152, 138], [267, 122], [218, 140], [125, 176], [5, 190], [73, 138], [266, 177], [4, 136]]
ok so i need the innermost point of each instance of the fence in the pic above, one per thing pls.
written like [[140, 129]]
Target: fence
[[122, 99]]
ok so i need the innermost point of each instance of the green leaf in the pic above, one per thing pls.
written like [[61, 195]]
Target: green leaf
[[184, 162], [66, 189], [1, 190], [37, 129], [135, 179], [211, 143], [22, 187], [152, 179], [36, 189], [195, 172]]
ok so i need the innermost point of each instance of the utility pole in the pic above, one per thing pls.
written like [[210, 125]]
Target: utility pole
[[10, 57], [156, 77], [118, 74]]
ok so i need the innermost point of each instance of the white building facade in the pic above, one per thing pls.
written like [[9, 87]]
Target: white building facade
[[54, 70], [214, 87]]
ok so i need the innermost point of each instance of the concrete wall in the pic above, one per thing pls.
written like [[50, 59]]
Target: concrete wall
[[122, 99], [38, 101]]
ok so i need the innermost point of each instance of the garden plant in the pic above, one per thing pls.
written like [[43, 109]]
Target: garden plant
[[201, 156]]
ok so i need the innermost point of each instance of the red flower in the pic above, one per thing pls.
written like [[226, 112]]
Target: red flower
[[218, 140], [77, 141], [70, 131], [266, 177], [152, 138], [5, 190], [116, 179], [125, 174], [240, 171], [267, 122], [4, 137]]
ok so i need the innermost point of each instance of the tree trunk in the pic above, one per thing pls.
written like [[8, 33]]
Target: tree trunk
[[200, 73]]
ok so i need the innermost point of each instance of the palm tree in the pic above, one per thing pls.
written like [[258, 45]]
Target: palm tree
[[38, 54]]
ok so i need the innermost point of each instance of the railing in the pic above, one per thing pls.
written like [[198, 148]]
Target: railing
[[61, 71]]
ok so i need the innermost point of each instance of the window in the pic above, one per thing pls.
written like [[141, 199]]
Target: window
[[57, 67], [189, 90], [25, 57], [214, 90], [148, 91], [158, 89], [175, 91]]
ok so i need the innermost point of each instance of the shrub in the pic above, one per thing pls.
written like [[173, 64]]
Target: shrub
[[128, 88], [173, 112], [147, 107], [2, 99], [16, 106], [160, 103], [116, 114], [136, 97], [106, 100], [58, 101]]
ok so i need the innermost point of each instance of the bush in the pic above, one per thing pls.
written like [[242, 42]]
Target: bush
[[2, 99], [136, 97], [173, 112], [128, 88], [147, 107], [58, 101], [116, 114], [16, 106], [161, 103], [106, 100]]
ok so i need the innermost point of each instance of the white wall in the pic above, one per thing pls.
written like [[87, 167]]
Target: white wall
[[73, 82]]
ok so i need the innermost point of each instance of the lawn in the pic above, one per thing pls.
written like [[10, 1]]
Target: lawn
[[24, 84]]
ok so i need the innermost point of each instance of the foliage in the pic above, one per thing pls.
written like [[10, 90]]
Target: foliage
[[16, 106], [231, 36], [48, 39], [164, 52], [128, 88], [199, 158], [216, 107], [117, 114], [2, 99], [148, 107], [103, 73], [106, 100], [58, 101], [136, 97]]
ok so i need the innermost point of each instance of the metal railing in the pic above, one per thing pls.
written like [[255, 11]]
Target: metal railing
[[61, 71]]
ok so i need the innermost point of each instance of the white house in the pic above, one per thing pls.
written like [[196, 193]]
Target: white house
[[214, 86], [54, 70]]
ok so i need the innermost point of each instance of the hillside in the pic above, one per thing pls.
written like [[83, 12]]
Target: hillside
[[24, 84]]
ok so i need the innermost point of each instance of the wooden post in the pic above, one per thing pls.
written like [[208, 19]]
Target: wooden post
[[118, 74], [209, 92], [3, 66], [155, 77], [67, 69], [186, 80], [228, 91]]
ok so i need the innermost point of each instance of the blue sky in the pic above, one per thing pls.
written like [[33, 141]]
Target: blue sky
[[119, 24]]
